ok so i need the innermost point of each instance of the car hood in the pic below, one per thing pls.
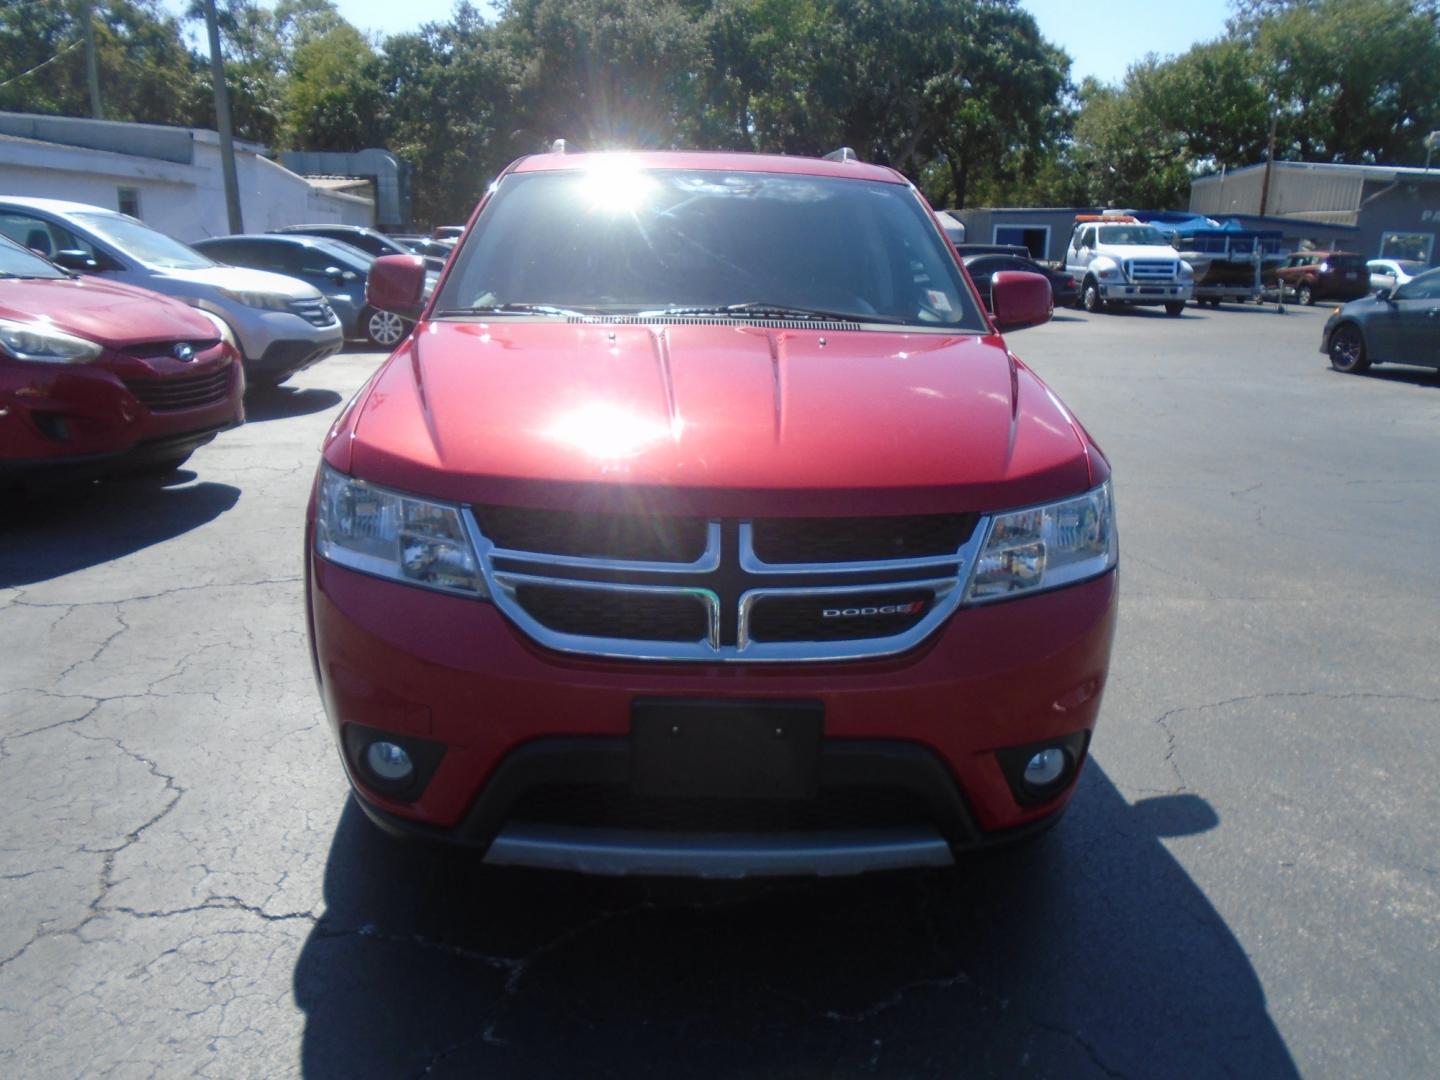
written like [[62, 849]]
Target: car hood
[[239, 279], [1139, 251], [108, 312], [718, 419]]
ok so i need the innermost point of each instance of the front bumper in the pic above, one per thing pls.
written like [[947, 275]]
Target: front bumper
[[86, 419], [1126, 293], [455, 673], [277, 344]]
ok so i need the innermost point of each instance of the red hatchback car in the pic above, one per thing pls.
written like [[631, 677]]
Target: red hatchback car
[[706, 525], [98, 377]]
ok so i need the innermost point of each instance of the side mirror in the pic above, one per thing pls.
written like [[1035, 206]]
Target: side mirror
[[1019, 298], [397, 284], [75, 260]]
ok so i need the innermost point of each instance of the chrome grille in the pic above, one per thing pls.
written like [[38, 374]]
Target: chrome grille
[[316, 312], [674, 588], [183, 392], [1148, 270]]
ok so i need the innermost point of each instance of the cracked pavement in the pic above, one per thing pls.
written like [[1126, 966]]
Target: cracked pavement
[[1247, 884]]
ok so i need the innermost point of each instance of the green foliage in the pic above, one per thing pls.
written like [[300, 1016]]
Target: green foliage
[[146, 71], [964, 96]]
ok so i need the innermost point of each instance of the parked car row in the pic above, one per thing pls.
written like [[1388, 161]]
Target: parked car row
[[122, 349], [100, 376]]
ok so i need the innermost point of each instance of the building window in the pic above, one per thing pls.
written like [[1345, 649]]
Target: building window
[[1035, 238], [129, 199], [1407, 245]]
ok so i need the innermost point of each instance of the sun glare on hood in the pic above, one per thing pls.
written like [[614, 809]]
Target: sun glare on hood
[[608, 433]]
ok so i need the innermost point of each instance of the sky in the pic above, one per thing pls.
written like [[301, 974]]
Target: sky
[[1103, 39]]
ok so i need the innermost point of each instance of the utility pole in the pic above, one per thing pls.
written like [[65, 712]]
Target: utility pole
[[222, 120], [92, 65], [1269, 164]]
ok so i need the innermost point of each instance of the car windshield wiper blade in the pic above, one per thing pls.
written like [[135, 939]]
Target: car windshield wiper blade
[[760, 310], [515, 309]]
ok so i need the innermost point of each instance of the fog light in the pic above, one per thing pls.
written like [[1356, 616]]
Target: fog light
[[1041, 770], [389, 761]]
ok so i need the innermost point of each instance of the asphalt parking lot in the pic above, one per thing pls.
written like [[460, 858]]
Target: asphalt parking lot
[[1248, 883]]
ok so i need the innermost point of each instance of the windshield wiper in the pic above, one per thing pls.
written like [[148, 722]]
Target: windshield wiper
[[758, 309], [515, 309]]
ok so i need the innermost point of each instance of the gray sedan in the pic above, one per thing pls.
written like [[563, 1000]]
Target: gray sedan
[[1392, 327]]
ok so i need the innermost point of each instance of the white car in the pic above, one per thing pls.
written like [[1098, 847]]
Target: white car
[[1390, 273], [281, 325]]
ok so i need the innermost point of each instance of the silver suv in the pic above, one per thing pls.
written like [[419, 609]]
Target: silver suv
[[281, 325]]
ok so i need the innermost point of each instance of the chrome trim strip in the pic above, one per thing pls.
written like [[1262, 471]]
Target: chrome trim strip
[[753, 564], [503, 592], [618, 852], [709, 558], [948, 592]]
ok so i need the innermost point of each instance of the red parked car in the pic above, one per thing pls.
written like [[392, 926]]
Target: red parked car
[[98, 377], [706, 525]]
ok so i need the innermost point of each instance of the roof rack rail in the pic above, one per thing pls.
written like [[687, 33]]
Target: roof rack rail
[[559, 146], [843, 154]]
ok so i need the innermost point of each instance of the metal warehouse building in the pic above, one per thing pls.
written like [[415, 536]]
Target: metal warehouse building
[[1394, 210]]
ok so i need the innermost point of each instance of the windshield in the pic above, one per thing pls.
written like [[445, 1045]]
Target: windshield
[[614, 240], [1409, 266], [1132, 234], [346, 254], [15, 261], [141, 242]]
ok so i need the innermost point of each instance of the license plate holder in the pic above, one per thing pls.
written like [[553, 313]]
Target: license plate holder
[[687, 748]]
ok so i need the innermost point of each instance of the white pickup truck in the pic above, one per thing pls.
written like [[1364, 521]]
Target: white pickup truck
[[1118, 260]]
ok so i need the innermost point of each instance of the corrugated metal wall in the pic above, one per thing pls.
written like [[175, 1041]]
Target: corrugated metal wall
[[1293, 191]]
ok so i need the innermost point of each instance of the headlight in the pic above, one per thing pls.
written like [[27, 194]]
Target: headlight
[[265, 300], [1109, 273], [1044, 547], [222, 328], [394, 536], [1187, 272], [43, 342]]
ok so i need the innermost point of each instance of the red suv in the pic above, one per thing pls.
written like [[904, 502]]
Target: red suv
[[99, 377], [706, 525]]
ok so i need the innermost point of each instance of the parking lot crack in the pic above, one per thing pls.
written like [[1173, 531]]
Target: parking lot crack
[[20, 600], [1163, 721]]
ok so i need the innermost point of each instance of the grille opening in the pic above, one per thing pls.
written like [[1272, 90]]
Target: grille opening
[[635, 537], [184, 392], [836, 618], [818, 540], [635, 616], [615, 806]]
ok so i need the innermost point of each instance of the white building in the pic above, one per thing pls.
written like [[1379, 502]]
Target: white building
[[168, 177]]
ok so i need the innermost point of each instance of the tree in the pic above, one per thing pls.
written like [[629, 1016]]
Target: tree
[[146, 72]]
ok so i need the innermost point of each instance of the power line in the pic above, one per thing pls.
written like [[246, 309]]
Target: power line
[[45, 63]]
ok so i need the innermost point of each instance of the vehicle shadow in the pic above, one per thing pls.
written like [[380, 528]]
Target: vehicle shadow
[[1091, 953], [44, 535], [282, 402], [1428, 377]]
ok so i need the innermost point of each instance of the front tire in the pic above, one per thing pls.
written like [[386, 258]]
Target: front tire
[[1175, 308], [1305, 296], [1090, 298], [1347, 350], [384, 329]]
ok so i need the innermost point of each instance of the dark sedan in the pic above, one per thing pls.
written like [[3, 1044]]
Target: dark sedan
[[982, 268], [371, 241], [1392, 327], [337, 270]]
